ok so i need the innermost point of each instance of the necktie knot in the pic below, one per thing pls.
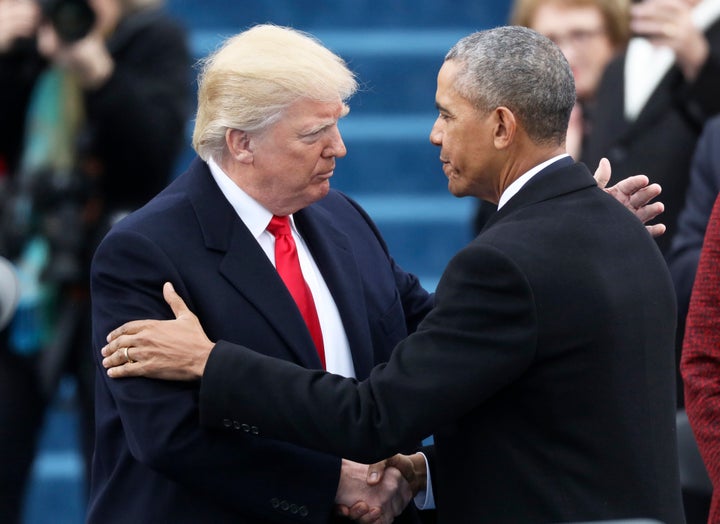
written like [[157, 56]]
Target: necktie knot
[[279, 226]]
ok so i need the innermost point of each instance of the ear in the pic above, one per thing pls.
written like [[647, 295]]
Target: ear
[[238, 145], [506, 127]]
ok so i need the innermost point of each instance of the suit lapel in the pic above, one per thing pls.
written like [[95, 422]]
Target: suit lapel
[[246, 266], [561, 177], [333, 254]]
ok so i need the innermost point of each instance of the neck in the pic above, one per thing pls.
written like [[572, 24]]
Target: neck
[[522, 162]]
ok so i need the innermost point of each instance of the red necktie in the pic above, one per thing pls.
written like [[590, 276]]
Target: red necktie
[[287, 264]]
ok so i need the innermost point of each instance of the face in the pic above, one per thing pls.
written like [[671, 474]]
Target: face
[[581, 34], [293, 160], [465, 138]]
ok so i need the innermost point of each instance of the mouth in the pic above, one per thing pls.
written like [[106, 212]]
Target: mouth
[[326, 174]]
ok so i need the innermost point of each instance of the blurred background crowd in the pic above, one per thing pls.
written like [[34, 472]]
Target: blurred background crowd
[[90, 89]]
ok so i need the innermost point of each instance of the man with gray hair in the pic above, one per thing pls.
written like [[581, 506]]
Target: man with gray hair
[[545, 370]]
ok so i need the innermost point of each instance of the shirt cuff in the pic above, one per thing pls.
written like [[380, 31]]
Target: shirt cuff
[[425, 498]]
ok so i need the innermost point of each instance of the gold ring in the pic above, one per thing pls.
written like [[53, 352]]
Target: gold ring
[[127, 355]]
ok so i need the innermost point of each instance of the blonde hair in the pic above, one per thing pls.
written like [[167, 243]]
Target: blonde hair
[[615, 13], [248, 82]]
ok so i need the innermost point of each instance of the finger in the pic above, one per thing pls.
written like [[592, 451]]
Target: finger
[[649, 212], [645, 195], [128, 328], [373, 515], [632, 184], [375, 473], [174, 300], [602, 173], [116, 358], [134, 369], [359, 510], [342, 510], [656, 230]]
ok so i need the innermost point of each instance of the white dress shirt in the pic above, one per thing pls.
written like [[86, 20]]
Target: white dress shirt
[[646, 64], [256, 218]]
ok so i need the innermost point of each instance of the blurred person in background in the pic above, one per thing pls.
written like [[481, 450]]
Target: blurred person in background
[[94, 97], [652, 106], [654, 98], [701, 355], [590, 33]]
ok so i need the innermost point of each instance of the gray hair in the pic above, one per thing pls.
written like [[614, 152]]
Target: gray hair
[[256, 75], [522, 70]]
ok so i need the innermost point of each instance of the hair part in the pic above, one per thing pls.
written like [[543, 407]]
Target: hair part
[[254, 76], [522, 70]]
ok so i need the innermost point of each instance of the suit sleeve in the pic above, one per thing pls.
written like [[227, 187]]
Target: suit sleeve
[[160, 418], [480, 337], [700, 363]]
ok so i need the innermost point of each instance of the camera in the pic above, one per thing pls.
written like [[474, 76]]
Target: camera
[[72, 19]]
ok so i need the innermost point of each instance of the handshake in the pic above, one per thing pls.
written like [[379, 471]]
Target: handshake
[[380, 492]]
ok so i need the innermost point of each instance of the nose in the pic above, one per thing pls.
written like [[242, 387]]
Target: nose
[[436, 133], [336, 148]]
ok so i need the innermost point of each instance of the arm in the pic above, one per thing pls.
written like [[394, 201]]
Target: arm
[[701, 350], [399, 404]]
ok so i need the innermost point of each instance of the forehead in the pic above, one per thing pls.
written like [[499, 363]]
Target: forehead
[[447, 95], [305, 110], [555, 18]]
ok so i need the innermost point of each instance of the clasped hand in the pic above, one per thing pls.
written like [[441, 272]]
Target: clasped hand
[[379, 493]]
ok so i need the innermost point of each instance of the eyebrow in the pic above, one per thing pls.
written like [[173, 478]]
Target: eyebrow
[[440, 107], [324, 125]]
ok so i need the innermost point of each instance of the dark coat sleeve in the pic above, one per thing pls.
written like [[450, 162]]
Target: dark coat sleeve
[[449, 366]]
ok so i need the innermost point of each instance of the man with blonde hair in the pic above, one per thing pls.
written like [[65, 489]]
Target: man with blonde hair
[[266, 132]]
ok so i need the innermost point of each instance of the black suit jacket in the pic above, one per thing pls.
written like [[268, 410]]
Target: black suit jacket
[[153, 462], [660, 142], [545, 371]]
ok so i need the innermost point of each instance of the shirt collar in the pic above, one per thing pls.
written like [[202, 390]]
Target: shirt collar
[[517, 185], [255, 217]]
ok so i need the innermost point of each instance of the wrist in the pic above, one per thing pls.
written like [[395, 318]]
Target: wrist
[[420, 468]]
